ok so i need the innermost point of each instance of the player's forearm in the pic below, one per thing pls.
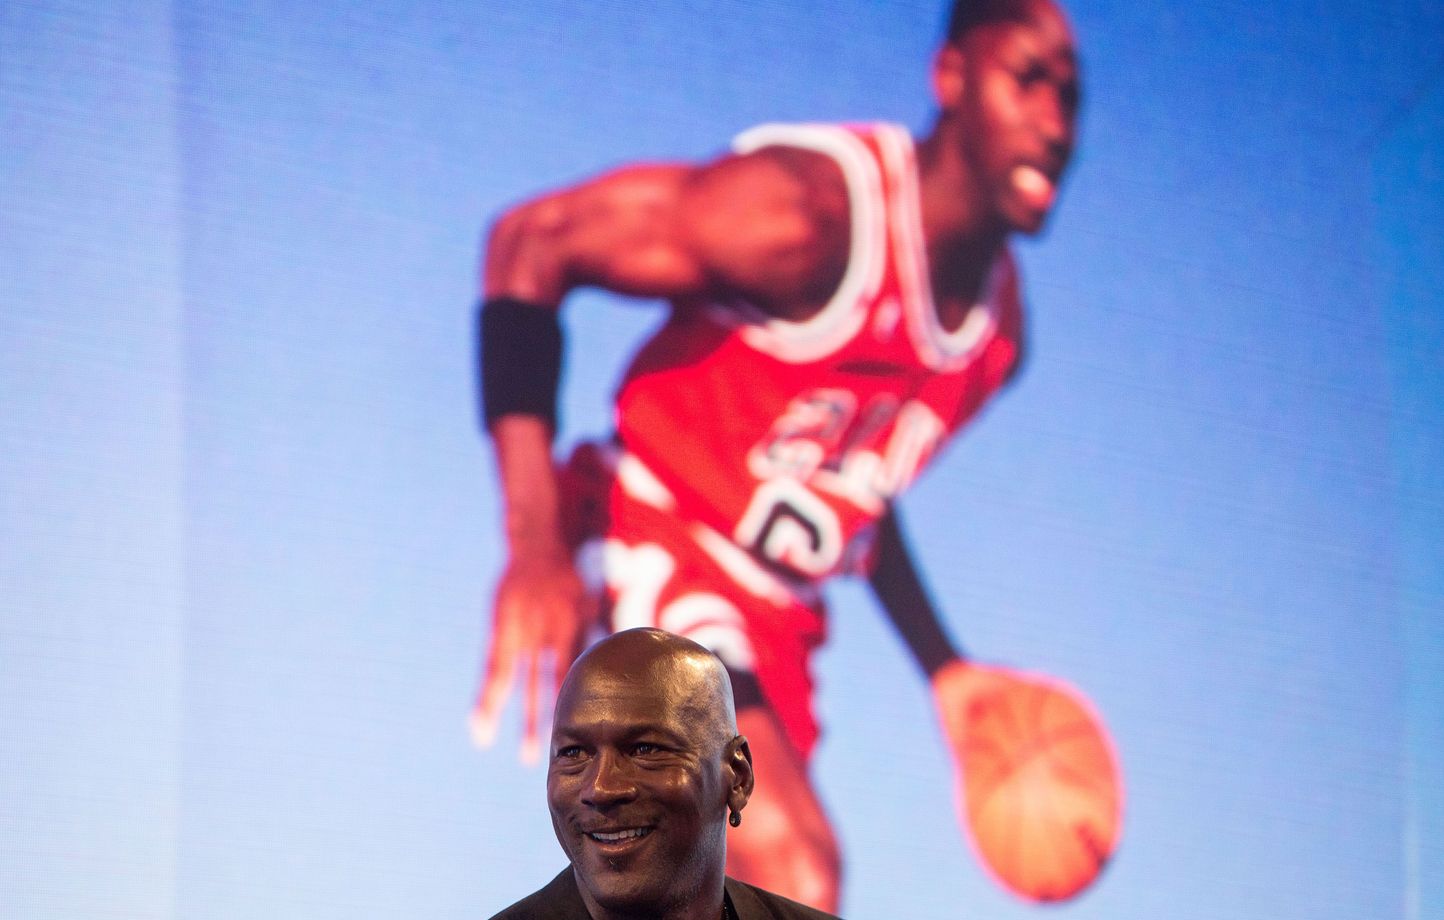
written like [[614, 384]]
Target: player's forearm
[[899, 590], [520, 365], [531, 506]]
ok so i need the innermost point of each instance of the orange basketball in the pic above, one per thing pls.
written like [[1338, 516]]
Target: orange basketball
[[1041, 789]]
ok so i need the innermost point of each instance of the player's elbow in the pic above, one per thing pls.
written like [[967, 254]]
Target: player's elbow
[[525, 254], [539, 219]]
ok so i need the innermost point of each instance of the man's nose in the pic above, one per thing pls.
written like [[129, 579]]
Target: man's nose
[[610, 781], [1054, 120]]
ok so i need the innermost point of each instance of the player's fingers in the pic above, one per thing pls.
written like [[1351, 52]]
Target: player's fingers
[[562, 663], [530, 749], [495, 689], [570, 648]]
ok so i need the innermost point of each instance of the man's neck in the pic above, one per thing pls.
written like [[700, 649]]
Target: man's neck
[[692, 912], [962, 238], [701, 907]]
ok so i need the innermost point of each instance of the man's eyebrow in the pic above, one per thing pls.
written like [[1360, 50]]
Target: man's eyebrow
[[572, 730], [626, 733], [654, 731]]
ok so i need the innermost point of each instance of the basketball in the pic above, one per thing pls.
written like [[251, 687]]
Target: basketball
[[1041, 789]]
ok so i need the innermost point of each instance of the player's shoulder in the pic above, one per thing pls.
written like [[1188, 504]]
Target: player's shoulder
[[819, 156], [559, 900], [752, 903]]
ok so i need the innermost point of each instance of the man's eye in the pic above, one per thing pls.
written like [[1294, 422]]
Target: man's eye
[[1068, 94], [1031, 75], [646, 748], [570, 752]]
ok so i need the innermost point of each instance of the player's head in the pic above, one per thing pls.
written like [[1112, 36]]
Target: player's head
[[645, 764], [1007, 85]]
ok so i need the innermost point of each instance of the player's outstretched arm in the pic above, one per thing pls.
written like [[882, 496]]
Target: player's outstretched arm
[[957, 683], [738, 225], [899, 590], [614, 232]]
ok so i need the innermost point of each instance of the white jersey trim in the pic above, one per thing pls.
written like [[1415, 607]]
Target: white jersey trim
[[938, 349], [846, 312], [749, 574], [713, 622], [639, 482], [739, 564]]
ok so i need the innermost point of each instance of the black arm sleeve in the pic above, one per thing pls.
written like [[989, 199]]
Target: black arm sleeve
[[520, 357], [899, 589]]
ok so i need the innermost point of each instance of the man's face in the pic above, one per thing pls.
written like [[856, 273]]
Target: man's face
[[1017, 108], [636, 785]]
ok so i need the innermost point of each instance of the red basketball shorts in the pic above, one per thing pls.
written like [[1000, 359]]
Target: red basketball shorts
[[655, 568]]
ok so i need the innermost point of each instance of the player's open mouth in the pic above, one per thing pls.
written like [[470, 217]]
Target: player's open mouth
[[1036, 187], [631, 833]]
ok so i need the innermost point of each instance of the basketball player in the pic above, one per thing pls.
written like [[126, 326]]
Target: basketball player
[[842, 300]]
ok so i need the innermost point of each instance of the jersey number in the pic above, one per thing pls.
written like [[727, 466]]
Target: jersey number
[[787, 524]]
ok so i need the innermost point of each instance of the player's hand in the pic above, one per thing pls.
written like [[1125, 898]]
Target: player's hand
[[542, 611], [962, 691], [1039, 792]]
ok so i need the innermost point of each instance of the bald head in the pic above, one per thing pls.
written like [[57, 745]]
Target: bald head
[[671, 666], [645, 766]]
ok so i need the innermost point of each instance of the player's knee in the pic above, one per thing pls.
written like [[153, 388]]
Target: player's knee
[[713, 622], [810, 859], [828, 857], [794, 835]]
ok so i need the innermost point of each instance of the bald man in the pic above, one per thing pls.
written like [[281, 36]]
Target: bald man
[[646, 770]]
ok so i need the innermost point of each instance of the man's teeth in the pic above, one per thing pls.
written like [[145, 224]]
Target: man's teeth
[[1034, 186], [620, 835], [1031, 180]]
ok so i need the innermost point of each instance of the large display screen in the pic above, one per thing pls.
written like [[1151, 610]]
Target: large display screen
[[251, 528]]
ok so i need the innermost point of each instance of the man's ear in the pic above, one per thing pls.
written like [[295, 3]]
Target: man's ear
[[949, 76], [737, 758]]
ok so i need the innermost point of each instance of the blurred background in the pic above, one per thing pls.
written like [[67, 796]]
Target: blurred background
[[248, 526]]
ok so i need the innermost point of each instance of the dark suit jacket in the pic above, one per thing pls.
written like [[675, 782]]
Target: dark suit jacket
[[560, 900]]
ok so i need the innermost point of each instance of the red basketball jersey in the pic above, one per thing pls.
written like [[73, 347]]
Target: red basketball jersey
[[790, 437]]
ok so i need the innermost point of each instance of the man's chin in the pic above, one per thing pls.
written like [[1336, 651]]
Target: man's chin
[[1029, 222], [620, 891]]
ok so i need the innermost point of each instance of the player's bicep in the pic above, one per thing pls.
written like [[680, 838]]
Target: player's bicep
[[628, 234], [619, 232], [758, 225]]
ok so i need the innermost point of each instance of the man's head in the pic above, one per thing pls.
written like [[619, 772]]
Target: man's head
[[1006, 80], [645, 765]]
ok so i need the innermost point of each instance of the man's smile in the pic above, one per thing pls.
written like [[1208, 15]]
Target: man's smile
[[1035, 186], [614, 841], [618, 836]]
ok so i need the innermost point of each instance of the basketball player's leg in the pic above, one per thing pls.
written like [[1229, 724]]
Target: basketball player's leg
[[785, 843], [657, 575]]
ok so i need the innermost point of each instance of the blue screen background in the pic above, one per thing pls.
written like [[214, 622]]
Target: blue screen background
[[249, 529]]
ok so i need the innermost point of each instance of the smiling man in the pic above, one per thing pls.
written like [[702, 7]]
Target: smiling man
[[646, 770], [842, 302]]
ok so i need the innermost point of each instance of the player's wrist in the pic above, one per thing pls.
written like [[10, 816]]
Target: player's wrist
[[950, 670], [936, 656], [536, 542]]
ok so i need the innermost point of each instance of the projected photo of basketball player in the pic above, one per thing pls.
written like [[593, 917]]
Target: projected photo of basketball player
[[842, 301]]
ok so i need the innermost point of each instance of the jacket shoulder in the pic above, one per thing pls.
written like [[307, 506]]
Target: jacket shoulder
[[559, 900], [753, 903]]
